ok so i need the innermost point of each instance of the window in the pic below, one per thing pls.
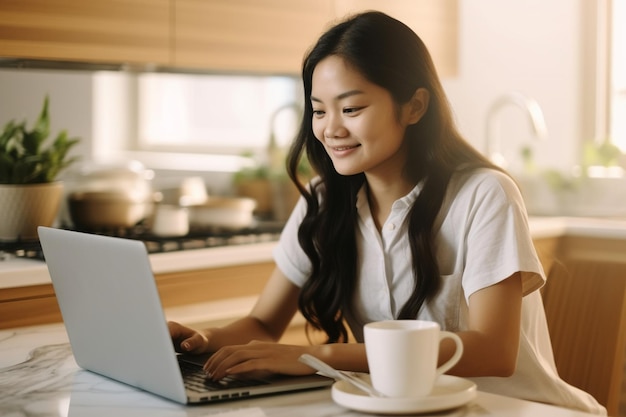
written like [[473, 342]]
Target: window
[[617, 74], [213, 113], [193, 122], [610, 72]]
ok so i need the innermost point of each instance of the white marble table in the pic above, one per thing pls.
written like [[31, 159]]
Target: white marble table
[[38, 377]]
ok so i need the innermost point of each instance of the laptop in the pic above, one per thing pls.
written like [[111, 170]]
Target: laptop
[[117, 328]]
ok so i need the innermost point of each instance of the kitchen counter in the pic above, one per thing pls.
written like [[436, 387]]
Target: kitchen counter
[[24, 272], [50, 384], [238, 272], [21, 272], [198, 286]]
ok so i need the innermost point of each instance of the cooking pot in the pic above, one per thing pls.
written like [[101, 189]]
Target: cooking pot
[[127, 177], [109, 209], [111, 195]]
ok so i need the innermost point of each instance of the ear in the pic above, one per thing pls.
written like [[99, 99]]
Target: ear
[[417, 106]]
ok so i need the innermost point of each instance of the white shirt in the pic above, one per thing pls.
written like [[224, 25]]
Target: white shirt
[[482, 238]]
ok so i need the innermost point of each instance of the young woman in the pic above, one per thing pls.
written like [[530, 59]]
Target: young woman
[[405, 221]]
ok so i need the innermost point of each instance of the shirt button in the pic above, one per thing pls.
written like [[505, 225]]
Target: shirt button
[[390, 226]]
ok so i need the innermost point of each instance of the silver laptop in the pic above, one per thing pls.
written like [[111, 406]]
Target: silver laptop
[[116, 326]]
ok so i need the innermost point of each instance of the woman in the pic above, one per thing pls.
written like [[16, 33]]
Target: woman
[[406, 220]]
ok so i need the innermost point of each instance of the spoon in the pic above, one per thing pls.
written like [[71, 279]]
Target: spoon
[[350, 377]]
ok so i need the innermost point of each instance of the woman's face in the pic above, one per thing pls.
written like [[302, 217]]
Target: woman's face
[[357, 121]]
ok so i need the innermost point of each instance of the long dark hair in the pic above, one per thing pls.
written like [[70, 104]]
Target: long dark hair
[[391, 55]]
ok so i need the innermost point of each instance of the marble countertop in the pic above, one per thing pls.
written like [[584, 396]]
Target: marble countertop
[[39, 377]]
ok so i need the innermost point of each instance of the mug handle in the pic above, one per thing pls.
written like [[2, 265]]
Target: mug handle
[[457, 354]]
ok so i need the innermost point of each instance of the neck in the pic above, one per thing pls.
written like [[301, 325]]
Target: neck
[[381, 196]]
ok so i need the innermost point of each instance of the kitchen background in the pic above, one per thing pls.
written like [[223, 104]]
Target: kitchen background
[[546, 51], [210, 123]]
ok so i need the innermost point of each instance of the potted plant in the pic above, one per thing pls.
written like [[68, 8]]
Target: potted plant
[[270, 185], [30, 194]]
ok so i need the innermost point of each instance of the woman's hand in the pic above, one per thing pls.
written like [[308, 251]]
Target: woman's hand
[[257, 358], [187, 340]]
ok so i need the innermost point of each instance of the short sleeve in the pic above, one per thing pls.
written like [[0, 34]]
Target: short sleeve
[[498, 242], [288, 254]]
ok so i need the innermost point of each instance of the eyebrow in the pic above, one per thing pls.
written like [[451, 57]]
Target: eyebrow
[[341, 96]]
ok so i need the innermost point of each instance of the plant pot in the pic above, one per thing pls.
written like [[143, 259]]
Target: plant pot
[[275, 199], [259, 189], [285, 196], [23, 207]]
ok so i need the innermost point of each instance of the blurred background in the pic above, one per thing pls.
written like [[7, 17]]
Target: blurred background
[[216, 93]]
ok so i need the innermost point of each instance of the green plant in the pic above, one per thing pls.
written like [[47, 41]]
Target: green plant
[[260, 171], [23, 157], [277, 172], [604, 154]]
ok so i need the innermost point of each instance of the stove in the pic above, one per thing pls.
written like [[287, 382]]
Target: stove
[[264, 231]]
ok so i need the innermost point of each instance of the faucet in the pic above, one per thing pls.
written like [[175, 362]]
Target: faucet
[[535, 116], [274, 153]]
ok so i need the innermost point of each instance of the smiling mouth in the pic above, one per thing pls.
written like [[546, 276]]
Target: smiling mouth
[[345, 148]]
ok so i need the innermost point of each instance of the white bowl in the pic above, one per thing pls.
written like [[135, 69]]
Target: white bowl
[[223, 213]]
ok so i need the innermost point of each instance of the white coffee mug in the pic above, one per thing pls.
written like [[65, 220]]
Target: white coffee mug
[[402, 356]]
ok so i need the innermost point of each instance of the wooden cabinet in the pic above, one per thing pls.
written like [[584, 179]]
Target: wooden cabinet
[[224, 287], [28, 306], [112, 31], [273, 35], [246, 36], [180, 288], [249, 36], [32, 305], [269, 36], [435, 22]]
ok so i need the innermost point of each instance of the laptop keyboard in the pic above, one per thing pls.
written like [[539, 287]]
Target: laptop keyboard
[[196, 380]]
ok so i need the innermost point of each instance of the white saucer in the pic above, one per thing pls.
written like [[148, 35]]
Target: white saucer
[[449, 392]]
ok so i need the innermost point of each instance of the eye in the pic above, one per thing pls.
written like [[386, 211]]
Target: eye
[[352, 110], [318, 113]]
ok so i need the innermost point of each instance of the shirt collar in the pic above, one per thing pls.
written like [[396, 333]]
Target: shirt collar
[[362, 202]]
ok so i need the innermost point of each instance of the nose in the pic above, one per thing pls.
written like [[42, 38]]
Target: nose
[[334, 127]]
